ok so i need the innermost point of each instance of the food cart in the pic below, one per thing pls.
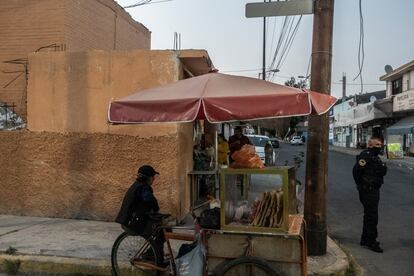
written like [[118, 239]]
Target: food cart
[[260, 226]]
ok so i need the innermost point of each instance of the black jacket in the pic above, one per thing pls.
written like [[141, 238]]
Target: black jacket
[[369, 170], [138, 201]]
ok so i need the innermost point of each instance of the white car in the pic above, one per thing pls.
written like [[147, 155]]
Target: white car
[[296, 140], [259, 142]]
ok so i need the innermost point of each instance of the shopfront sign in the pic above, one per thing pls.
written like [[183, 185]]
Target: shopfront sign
[[395, 151], [404, 101]]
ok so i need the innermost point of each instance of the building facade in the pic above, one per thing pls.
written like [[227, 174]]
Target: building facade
[[28, 26], [400, 99], [70, 162], [357, 118]]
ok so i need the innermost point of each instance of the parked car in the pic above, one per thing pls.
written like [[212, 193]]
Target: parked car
[[296, 140], [259, 142], [275, 142]]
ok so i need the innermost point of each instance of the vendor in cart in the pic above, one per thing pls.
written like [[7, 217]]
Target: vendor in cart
[[237, 141]]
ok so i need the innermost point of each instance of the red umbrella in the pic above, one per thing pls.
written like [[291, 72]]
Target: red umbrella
[[217, 98]]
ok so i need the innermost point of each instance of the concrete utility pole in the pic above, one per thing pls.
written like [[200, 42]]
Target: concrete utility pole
[[317, 147], [343, 87]]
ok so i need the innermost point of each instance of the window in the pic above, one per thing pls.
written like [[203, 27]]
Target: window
[[259, 141], [397, 86]]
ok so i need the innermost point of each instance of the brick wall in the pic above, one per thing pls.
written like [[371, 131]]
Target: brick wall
[[27, 25], [102, 24]]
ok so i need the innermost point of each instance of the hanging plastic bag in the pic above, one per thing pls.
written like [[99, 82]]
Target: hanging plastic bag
[[192, 263], [246, 157]]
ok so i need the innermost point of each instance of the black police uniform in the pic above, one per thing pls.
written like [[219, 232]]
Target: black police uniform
[[368, 173]]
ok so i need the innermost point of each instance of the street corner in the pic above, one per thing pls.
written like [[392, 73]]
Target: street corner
[[334, 263]]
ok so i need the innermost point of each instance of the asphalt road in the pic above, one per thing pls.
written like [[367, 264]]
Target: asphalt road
[[344, 214]]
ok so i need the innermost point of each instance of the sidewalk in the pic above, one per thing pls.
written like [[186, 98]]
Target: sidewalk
[[47, 246], [406, 162]]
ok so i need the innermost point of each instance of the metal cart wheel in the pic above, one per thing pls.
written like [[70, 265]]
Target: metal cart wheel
[[247, 265], [125, 249]]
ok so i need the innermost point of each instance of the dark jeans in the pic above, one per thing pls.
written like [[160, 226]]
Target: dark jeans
[[149, 228], [370, 200]]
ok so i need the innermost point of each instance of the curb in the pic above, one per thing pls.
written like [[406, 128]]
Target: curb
[[53, 265], [339, 262], [354, 265]]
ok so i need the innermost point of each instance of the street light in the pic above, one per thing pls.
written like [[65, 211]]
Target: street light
[[269, 71]]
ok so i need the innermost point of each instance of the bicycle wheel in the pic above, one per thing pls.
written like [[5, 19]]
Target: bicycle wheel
[[127, 249], [251, 266]]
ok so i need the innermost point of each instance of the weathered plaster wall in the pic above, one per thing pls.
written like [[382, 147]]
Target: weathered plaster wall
[[71, 163], [79, 175], [70, 92]]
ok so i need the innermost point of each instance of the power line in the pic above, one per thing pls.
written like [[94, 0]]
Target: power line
[[241, 70], [145, 2], [286, 52], [361, 51]]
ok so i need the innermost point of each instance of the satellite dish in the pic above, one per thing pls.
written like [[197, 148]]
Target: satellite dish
[[388, 69], [372, 99]]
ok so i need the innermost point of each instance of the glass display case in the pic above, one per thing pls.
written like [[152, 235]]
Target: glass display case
[[202, 185], [257, 200]]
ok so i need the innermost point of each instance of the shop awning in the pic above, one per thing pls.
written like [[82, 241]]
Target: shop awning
[[403, 126], [362, 113]]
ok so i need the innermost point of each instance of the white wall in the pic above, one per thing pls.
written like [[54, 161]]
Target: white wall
[[405, 81], [411, 80]]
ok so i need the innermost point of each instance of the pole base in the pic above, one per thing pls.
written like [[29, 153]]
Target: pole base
[[316, 240]]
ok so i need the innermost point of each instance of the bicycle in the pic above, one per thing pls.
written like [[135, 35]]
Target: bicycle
[[133, 254]]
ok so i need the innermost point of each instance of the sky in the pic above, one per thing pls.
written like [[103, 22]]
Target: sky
[[235, 42]]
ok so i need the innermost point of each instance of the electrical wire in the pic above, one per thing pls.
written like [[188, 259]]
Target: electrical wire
[[280, 40], [139, 3], [290, 43], [290, 31], [241, 70], [145, 2], [273, 40], [361, 50]]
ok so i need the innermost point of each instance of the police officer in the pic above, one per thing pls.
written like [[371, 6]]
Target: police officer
[[368, 173]]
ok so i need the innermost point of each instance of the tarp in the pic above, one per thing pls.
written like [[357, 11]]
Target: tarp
[[217, 98], [403, 126]]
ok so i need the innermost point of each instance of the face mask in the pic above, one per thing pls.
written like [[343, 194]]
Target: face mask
[[376, 151]]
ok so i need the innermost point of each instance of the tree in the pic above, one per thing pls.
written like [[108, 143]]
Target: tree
[[295, 120], [300, 84]]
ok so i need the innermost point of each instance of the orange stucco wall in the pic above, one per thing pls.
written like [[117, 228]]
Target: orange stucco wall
[[70, 162], [70, 92], [82, 175]]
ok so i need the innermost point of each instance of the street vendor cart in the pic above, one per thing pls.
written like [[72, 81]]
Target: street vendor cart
[[260, 232]]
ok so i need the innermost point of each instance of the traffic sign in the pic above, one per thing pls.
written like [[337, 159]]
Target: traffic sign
[[279, 8]]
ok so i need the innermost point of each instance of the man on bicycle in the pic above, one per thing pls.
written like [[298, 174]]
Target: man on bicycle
[[138, 203]]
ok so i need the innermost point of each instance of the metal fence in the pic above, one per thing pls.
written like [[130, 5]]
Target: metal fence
[[9, 120]]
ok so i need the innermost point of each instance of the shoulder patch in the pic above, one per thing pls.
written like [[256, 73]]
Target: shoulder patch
[[362, 162]]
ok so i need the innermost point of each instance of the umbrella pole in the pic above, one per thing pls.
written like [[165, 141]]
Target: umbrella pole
[[216, 166]]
